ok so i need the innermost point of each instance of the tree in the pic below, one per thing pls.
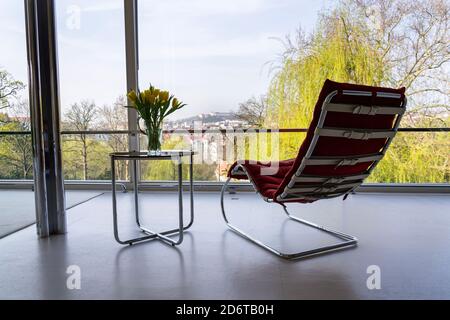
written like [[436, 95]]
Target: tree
[[115, 118], [253, 111], [16, 151], [9, 88], [412, 40], [375, 42], [81, 117], [334, 50]]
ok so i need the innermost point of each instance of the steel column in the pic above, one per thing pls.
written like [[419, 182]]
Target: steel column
[[45, 116]]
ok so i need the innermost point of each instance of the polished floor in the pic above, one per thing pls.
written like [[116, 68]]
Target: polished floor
[[17, 207], [406, 236]]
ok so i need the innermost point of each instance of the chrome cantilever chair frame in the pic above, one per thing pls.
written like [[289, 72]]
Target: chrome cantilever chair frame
[[348, 241]]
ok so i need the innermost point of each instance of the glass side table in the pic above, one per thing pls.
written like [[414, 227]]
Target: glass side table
[[171, 155]]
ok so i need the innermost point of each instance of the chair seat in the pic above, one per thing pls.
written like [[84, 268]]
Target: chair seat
[[266, 182]]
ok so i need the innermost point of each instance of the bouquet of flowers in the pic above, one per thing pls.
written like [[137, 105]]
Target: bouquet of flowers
[[152, 106]]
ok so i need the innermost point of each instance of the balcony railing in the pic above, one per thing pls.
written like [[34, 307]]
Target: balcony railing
[[417, 155]]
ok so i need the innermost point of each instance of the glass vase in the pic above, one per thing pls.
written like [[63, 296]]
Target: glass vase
[[154, 139]]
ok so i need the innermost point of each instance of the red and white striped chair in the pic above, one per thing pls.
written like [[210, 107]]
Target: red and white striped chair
[[352, 127]]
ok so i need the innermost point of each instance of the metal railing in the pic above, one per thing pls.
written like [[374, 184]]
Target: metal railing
[[202, 184], [222, 131]]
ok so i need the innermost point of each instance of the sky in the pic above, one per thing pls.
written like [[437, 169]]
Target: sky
[[211, 54]]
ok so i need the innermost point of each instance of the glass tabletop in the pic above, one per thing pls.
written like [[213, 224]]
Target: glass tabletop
[[146, 155]]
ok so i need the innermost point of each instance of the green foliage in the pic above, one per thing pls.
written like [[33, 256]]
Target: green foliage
[[340, 49], [415, 157], [97, 158], [365, 41], [167, 170], [15, 151]]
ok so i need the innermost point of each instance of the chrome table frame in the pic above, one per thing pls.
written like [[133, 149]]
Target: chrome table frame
[[174, 155]]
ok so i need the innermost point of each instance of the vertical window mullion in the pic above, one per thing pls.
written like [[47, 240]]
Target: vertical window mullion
[[131, 47]]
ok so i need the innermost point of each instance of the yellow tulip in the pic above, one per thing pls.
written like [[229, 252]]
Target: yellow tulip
[[175, 103], [142, 96], [164, 95], [132, 96], [148, 97]]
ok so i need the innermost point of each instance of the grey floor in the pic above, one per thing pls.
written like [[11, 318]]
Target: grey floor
[[407, 236], [17, 208]]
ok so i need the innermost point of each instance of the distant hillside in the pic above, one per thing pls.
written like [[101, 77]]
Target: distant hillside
[[208, 117]]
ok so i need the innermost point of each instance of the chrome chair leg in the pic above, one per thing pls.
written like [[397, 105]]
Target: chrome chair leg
[[348, 240]]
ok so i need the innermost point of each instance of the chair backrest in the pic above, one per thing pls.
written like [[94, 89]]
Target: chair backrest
[[351, 130]]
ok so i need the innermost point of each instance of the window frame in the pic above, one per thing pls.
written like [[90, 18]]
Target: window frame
[[132, 75]]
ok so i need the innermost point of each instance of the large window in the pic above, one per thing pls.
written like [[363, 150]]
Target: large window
[[246, 64], [92, 73], [15, 147], [243, 68], [214, 55]]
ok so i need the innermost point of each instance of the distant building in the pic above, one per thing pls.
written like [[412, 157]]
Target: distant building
[[212, 120]]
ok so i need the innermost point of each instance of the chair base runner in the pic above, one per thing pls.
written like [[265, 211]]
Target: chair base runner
[[348, 240]]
